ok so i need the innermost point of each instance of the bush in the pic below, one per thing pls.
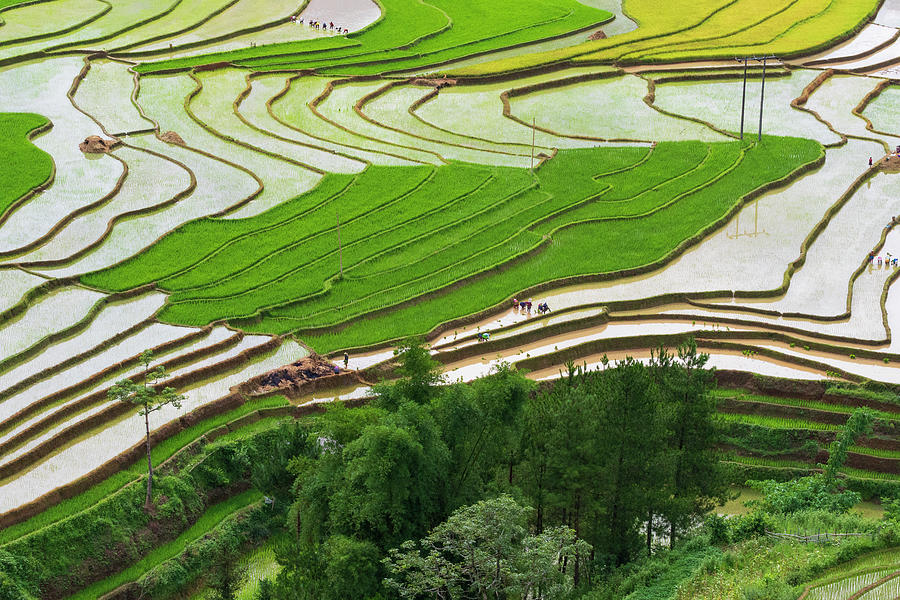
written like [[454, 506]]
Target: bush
[[717, 529], [749, 526], [805, 493], [770, 589]]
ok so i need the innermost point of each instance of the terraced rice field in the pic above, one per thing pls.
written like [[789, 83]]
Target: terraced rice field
[[277, 189]]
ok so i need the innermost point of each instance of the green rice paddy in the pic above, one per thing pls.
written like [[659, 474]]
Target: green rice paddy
[[25, 166], [282, 268]]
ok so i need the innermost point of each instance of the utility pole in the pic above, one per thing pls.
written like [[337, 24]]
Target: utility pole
[[340, 250], [762, 94], [532, 145], [743, 94]]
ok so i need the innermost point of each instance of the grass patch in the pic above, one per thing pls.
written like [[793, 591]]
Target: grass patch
[[25, 166]]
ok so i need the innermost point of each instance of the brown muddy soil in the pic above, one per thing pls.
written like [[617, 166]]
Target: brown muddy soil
[[890, 163], [296, 374], [94, 144], [172, 138]]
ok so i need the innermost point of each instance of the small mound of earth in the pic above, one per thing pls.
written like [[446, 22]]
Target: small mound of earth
[[296, 374], [890, 163], [94, 144], [597, 35], [438, 83], [172, 138]]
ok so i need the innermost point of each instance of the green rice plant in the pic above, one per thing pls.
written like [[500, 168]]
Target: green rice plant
[[803, 27], [411, 231], [879, 452], [315, 233], [259, 564], [574, 251], [777, 422], [798, 402], [709, 29], [848, 586], [162, 451], [656, 20], [766, 462], [862, 474], [186, 245], [473, 29], [556, 181], [213, 516], [413, 34], [873, 561], [25, 166]]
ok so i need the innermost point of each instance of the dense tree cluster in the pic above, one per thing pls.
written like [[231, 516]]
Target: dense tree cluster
[[416, 494]]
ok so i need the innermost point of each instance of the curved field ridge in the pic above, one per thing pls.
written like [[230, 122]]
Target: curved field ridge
[[25, 167], [412, 34], [711, 29], [410, 233]]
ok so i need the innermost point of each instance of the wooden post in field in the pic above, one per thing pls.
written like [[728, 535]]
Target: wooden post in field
[[532, 145], [743, 96], [340, 250], [762, 95]]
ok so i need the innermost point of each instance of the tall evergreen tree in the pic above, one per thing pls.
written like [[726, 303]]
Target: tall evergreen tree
[[697, 482]]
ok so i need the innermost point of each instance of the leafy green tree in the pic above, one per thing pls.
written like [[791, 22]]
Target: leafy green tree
[[225, 579], [265, 591], [388, 484], [395, 479], [151, 399], [858, 425], [494, 439], [485, 551], [341, 568], [352, 568], [891, 510], [420, 376]]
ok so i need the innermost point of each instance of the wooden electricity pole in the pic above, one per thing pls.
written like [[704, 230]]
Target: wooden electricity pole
[[762, 94], [532, 144], [743, 94]]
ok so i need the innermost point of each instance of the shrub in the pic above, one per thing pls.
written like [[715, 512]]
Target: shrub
[[716, 528], [771, 588], [805, 493]]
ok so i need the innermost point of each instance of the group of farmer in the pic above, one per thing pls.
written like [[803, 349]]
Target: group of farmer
[[525, 305], [887, 261], [330, 26]]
